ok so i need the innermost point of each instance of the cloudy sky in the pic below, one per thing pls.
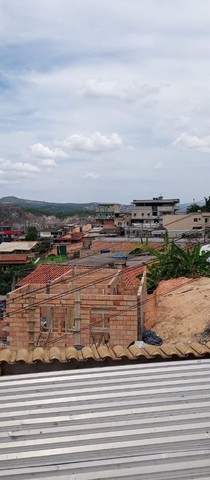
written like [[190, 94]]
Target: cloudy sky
[[104, 100]]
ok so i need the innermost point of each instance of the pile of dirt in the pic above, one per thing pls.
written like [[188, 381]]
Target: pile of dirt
[[179, 310]]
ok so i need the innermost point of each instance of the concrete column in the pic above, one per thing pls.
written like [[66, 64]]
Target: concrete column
[[31, 321], [77, 314]]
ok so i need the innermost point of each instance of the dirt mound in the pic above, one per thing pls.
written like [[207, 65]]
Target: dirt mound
[[179, 310]]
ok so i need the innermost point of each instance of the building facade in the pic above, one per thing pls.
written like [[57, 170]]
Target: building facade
[[80, 307], [151, 212], [107, 211], [187, 223]]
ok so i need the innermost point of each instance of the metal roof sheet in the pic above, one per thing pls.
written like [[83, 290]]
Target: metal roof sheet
[[124, 422], [22, 245]]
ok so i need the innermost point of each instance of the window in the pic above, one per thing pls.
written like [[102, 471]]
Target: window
[[142, 214], [148, 214], [195, 219], [134, 214], [206, 220]]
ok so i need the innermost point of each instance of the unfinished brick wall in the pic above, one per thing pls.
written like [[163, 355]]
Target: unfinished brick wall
[[93, 313]]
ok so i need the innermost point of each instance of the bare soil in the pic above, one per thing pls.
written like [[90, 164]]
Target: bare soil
[[180, 310]]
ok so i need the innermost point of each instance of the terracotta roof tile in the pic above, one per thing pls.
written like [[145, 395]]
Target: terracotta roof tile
[[44, 273], [130, 274], [102, 353], [13, 259]]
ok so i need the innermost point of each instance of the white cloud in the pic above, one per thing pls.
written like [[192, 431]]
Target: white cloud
[[25, 167], [193, 142], [96, 142], [41, 151], [48, 162], [20, 169], [117, 90], [91, 175], [147, 80]]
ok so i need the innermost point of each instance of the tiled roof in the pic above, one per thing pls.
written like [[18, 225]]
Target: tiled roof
[[105, 352], [130, 274], [13, 259], [44, 273]]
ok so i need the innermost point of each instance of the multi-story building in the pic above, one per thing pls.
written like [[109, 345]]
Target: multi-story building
[[147, 215], [107, 211]]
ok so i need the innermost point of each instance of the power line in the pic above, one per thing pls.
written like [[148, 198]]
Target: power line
[[59, 295], [76, 289], [87, 327], [22, 296]]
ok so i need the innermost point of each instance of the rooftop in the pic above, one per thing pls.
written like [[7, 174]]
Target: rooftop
[[158, 200], [12, 246], [125, 422], [130, 275], [13, 259], [44, 273], [98, 354]]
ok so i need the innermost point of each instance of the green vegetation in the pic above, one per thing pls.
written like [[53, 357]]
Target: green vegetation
[[54, 259], [194, 207], [174, 262], [43, 247], [12, 275], [60, 214], [32, 233], [139, 251]]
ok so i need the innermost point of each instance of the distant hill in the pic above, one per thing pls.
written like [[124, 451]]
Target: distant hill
[[49, 207], [183, 207]]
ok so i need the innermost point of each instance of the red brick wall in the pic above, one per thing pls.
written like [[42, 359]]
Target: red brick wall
[[25, 325]]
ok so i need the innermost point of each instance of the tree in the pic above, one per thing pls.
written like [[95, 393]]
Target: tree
[[194, 207], [206, 207], [175, 262], [43, 247], [32, 233]]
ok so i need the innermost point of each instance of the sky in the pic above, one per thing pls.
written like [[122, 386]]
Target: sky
[[104, 100]]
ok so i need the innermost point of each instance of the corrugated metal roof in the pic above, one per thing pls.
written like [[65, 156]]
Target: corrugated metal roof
[[125, 422], [11, 246]]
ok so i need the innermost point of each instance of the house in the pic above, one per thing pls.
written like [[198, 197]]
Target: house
[[50, 234], [19, 248], [187, 223], [107, 212], [69, 305], [14, 260], [7, 234]]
